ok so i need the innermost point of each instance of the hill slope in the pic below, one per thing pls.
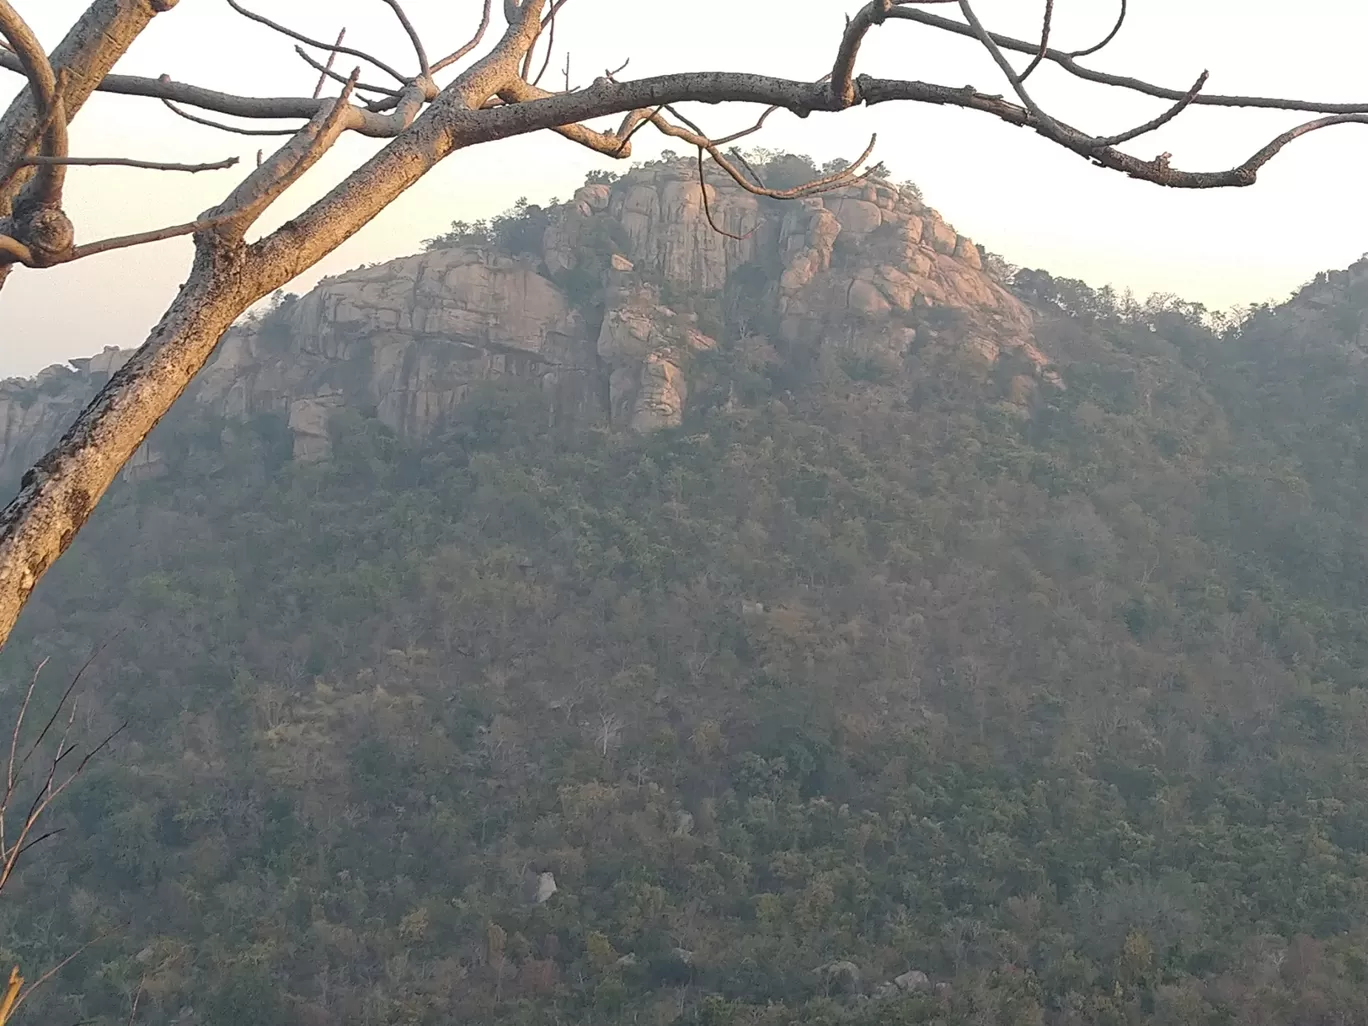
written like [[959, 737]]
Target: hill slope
[[883, 688]]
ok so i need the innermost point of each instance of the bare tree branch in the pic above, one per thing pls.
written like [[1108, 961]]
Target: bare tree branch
[[550, 48], [1157, 171], [707, 206], [222, 127], [1044, 41], [874, 13], [843, 72], [412, 33], [11, 851], [144, 238], [1161, 120], [47, 727], [12, 989], [759, 124], [261, 19], [10, 778], [1106, 40], [372, 122], [326, 69], [1068, 63], [133, 1012], [257, 192], [999, 58], [326, 72], [54, 971], [466, 48], [548, 25], [149, 165]]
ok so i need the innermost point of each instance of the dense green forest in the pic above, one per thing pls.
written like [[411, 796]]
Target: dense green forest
[[1057, 713]]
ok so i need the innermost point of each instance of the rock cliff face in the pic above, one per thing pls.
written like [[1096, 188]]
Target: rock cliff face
[[606, 308]]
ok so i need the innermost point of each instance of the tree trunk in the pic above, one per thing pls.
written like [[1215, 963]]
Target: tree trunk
[[61, 491]]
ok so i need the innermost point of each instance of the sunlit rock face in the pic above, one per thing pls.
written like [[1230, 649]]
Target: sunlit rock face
[[607, 309]]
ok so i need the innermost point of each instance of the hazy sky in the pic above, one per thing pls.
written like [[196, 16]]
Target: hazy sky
[[1005, 187]]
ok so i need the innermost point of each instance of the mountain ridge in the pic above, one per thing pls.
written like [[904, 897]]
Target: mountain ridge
[[897, 685]]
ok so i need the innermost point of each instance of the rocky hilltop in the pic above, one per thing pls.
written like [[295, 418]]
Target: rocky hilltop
[[606, 300]]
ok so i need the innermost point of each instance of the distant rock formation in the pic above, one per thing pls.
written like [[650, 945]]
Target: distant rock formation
[[604, 314]]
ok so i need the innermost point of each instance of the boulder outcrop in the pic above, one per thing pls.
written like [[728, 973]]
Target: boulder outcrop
[[607, 312]]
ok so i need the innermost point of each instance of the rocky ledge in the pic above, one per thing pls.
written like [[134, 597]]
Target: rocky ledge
[[607, 306]]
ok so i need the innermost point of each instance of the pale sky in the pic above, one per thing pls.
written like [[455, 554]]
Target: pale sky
[[1005, 187]]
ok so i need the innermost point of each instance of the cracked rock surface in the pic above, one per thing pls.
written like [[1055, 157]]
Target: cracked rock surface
[[604, 314]]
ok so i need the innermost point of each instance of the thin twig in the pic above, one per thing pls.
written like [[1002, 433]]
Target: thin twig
[[41, 838], [327, 69], [412, 33], [57, 969], [326, 72], [550, 46], [147, 165], [1121, 20], [14, 739], [1069, 64], [261, 19], [759, 124], [699, 138], [45, 797], [986, 38], [1044, 41], [133, 1014], [707, 207], [143, 238], [76, 680], [474, 41], [736, 154], [1161, 120], [221, 126], [160, 234], [636, 126]]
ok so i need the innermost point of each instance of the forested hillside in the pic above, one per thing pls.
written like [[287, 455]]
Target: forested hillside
[[879, 691]]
